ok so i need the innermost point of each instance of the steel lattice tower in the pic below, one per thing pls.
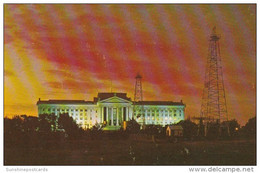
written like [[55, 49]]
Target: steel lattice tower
[[213, 107], [138, 97]]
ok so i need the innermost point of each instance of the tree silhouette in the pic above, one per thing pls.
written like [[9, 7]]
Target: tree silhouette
[[47, 123], [232, 126], [132, 126], [213, 130], [13, 131], [249, 130], [152, 129], [69, 125], [190, 129], [30, 123]]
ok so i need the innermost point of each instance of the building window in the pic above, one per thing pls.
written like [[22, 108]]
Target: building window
[[67, 110], [76, 109], [58, 109], [86, 110], [43, 109], [81, 110]]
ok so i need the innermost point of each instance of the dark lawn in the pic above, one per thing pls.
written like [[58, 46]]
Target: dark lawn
[[134, 152]]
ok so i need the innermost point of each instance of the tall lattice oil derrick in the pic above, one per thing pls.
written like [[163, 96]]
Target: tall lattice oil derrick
[[138, 99], [213, 107]]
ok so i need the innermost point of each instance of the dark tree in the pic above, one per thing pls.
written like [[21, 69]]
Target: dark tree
[[47, 123], [21, 130], [132, 126], [249, 130], [152, 129], [201, 129], [13, 125], [30, 123], [233, 127], [190, 129], [13, 131], [69, 125], [213, 130]]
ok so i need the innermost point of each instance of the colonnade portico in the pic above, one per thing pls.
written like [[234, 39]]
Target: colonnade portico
[[114, 115]]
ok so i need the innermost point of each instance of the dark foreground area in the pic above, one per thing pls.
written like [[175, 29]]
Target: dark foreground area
[[44, 141], [134, 151]]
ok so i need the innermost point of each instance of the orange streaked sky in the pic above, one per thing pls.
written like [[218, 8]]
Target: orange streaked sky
[[75, 51]]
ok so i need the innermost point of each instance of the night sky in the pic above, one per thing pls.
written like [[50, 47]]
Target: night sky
[[75, 51]]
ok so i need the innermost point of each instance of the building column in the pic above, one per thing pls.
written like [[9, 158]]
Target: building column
[[122, 115], [107, 114], [157, 117], [151, 116], [145, 116], [127, 113], [117, 116], [163, 117], [155, 114], [101, 115], [171, 116], [174, 117], [111, 116], [168, 116], [92, 112]]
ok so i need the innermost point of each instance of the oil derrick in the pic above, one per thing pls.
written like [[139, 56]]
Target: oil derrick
[[138, 99], [213, 107]]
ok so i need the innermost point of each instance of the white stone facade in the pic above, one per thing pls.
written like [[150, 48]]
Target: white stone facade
[[113, 109]]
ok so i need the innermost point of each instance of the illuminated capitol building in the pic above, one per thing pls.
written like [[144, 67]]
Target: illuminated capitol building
[[113, 109]]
